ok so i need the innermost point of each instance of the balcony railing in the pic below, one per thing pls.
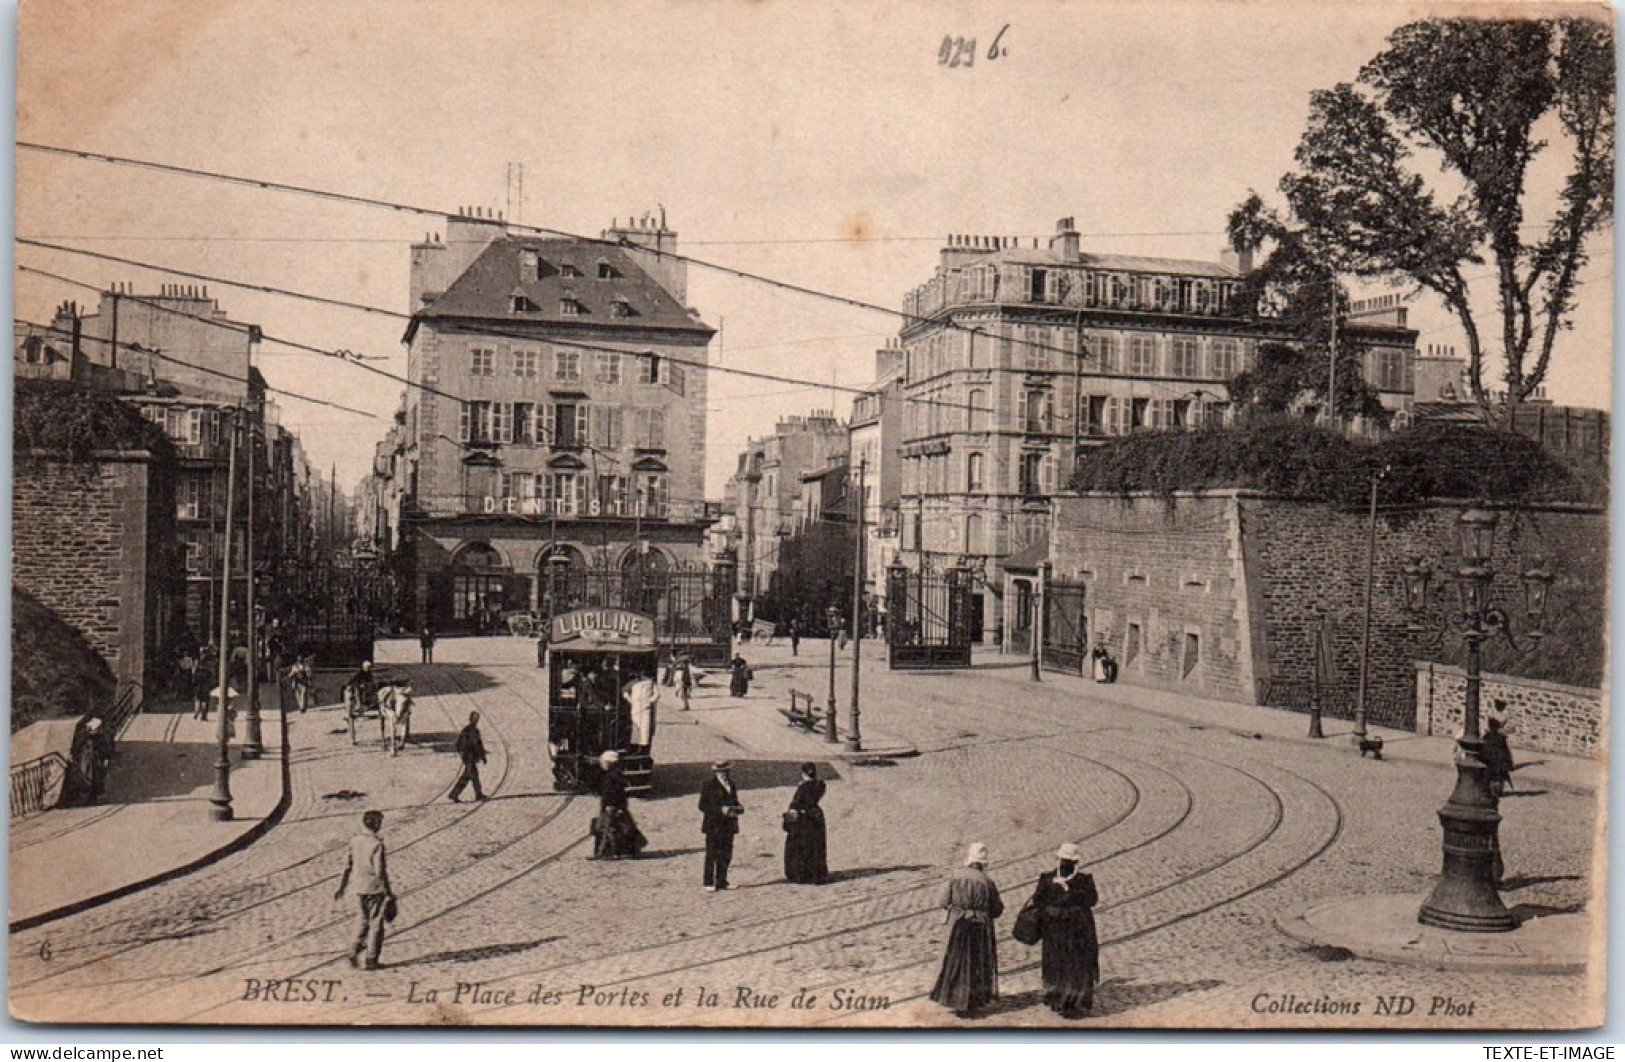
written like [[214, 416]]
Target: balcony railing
[[443, 505]]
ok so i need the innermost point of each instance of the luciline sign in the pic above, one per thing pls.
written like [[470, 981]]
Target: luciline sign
[[604, 626]]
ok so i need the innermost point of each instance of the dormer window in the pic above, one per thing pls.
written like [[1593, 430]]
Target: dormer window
[[606, 271], [568, 270], [570, 306], [619, 307], [522, 304]]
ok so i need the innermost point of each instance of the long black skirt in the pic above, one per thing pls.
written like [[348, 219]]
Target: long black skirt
[[969, 978], [1071, 963], [806, 856], [616, 836]]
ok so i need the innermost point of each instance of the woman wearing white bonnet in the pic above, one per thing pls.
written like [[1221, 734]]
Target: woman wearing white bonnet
[[1065, 899], [615, 834], [969, 978]]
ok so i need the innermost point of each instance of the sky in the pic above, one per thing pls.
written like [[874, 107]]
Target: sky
[[822, 144]]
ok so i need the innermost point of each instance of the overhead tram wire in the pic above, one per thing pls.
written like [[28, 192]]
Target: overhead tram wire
[[244, 329], [138, 348], [407, 208], [399, 315]]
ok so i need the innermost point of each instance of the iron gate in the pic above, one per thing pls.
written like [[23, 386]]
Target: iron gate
[[928, 619], [1066, 629], [690, 604]]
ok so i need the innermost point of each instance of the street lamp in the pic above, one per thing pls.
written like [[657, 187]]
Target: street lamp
[[220, 809], [833, 614], [1466, 897]]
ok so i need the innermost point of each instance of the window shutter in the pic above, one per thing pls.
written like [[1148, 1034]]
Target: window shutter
[[501, 422], [1021, 410], [678, 378], [548, 417], [462, 423], [657, 429]]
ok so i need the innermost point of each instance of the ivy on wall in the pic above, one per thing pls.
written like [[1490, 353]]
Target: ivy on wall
[[71, 423], [1295, 459]]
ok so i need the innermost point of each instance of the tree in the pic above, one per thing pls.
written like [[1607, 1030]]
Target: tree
[[1283, 377], [1479, 97]]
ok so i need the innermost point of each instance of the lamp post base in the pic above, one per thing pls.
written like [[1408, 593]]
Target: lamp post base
[[220, 799], [1466, 898]]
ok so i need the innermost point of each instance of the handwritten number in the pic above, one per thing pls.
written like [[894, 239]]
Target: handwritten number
[[957, 52], [994, 51], [45, 950]]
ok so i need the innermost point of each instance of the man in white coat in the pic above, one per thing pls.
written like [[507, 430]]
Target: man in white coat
[[644, 696]]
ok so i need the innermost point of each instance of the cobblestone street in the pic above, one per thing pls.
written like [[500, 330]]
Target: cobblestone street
[[1199, 838]]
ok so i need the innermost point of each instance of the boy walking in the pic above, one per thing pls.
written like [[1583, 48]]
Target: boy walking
[[368, 868]]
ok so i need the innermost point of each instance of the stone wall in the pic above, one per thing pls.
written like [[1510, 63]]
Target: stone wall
[[1310, 568], [80, 545], [1260, 582], [1540, 716], [1164, 588]]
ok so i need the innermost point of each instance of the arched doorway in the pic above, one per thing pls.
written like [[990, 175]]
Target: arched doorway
[[479, 587]]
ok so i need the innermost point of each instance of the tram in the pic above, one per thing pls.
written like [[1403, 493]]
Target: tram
[[594, 656]]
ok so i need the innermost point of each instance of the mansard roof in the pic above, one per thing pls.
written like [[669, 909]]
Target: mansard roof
[[564, 271], [1115, 263]]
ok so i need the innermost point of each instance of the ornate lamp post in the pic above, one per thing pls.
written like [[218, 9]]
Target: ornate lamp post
[[1466, 897]]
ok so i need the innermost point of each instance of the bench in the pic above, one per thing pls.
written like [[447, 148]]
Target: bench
[[803, 712]]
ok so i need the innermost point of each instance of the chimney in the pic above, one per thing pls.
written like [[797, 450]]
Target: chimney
[[436, 264], [957, 250], [1238, 261], [1065, 239], [651, 234]]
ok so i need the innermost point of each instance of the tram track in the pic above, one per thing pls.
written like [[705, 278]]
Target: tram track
[[821, 913], [1276, 817], [1157, 926], [20, 986]]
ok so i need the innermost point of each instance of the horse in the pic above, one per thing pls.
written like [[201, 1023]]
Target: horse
[[395, 716]]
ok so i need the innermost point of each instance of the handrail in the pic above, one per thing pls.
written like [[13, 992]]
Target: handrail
[[33, 781]]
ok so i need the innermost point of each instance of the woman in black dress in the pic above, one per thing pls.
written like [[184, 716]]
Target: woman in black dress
[[615, 835], [739, 677], [1071, 964], [806, 859]]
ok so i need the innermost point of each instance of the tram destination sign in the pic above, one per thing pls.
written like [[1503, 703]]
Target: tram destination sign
[[606, 626]]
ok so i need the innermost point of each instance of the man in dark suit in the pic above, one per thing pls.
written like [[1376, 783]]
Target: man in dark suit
[[471, 751], [719, 803]]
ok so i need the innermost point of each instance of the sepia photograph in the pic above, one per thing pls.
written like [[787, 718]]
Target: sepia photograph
[[1084, 515]]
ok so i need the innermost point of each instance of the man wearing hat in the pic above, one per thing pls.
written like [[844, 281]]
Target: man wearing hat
[[1065, 899], [719, 803]]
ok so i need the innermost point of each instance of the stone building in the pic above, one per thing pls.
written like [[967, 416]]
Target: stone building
[[1016, 357], [763, 490], [556, 407], [877, 418]]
